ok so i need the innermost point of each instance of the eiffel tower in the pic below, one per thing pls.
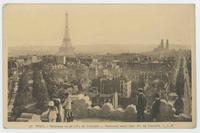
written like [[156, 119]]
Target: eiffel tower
[[66, 48]]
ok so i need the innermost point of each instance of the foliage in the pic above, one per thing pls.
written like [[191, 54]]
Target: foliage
[[40, 92], [23, 96], [42, 97], [180, 83], [36, 83]]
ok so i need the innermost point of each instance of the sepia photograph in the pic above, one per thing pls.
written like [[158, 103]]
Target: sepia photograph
[[99, 66]]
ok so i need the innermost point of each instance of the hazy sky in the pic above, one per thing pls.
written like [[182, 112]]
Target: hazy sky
[[98, 24]]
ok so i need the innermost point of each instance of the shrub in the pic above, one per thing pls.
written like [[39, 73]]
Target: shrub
[[80, 106], [130, 113], [94, 111], [166, 111], [106, 110]]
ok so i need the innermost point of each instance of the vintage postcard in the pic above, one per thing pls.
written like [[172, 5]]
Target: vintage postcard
[[99, 66]]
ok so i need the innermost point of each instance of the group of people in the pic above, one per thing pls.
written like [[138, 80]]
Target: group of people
[[154, 110], [141, 106], [60, 111]]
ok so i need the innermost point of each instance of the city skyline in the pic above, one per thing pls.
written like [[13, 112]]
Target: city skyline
[[35, 25]]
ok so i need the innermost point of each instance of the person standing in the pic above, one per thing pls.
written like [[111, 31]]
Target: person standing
[[155, 110], [52, 112], [141, 105], [60, 110], [68, 116]]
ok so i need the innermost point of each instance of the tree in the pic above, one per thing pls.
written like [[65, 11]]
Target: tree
[[40, 92], [42, 97], [23, 96], [51, 83], [36, 83], [180, 83]]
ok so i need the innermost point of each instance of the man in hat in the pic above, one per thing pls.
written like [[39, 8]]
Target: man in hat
[[155, 110], [141, 105]]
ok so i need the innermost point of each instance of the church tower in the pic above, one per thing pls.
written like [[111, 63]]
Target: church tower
[[66, 48]]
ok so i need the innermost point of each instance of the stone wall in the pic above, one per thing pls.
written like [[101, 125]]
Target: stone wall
[[82, 109]]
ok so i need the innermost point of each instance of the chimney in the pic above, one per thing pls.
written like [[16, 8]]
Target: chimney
[[162, 44], [167, 44]]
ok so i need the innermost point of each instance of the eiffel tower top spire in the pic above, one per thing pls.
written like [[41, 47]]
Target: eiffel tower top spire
[[66, 34]]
